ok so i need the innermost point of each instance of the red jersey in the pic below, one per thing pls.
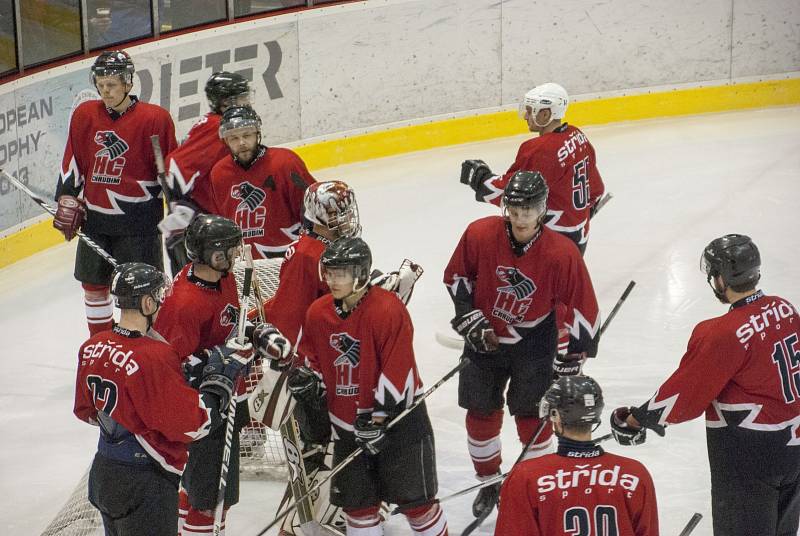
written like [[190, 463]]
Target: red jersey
[[109, 157], [190, 164], [265, 199], [566, 160], [365, 358], [198, 315], [517, 293], [136, 381], [299, 285], [747, 360], [578, 491]]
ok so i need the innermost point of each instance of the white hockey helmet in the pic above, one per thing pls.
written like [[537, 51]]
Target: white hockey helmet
[[332, 204], [546, 96]]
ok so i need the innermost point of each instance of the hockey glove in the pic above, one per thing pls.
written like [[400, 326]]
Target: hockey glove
[[568, 364], [271, 344], [477, 332], [624, 433], [225, 364], [70, 215], [370, 435], [474, 173], [401, 282], [306, 386]]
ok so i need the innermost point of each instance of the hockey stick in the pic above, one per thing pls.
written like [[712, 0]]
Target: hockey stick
[[39, 201], [601, 203], [219, 509], [176, 247], [691, 524], [352, 456]]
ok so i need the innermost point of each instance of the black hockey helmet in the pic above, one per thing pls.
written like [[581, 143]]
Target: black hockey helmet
[[526, 188], [348, 252], [734, 257], [578, 400], [113, 63], [223, 87], [237, 117], [133, 280], [209, 233]]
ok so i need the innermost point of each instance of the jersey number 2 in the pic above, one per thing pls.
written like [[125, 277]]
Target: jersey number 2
[[580, 184], [577, 521], [787, 356]]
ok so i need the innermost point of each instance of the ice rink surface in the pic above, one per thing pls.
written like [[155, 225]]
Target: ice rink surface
[[677, 184]]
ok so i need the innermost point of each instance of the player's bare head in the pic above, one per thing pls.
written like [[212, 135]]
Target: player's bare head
[[240, 130], [524, 201], [141, 287], [213, 241], [332, 205], [345, 266], [112, 76], [543, 105], [573, 404], [731, 261], [225, 90]]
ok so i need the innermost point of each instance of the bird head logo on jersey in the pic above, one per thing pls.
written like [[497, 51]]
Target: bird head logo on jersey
[[229, 316], [349, 355], [513, 295], [250, 214], [108, 160]]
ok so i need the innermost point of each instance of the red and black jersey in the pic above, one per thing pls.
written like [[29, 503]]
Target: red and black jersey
[[198, 315], [742, 367], [265, 199], [136, 381], [299, 285], [578, 491], [190, 164], [365, 358], [110, 158], [567, 161], [518, 292]]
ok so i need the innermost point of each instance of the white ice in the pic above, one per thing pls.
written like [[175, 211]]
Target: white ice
[[678, 183]]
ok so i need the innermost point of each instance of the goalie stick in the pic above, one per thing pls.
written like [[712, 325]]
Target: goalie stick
[[226, 451], [39, 201], [352, 456]]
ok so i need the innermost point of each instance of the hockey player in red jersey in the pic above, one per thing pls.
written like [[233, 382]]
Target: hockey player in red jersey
[[203, 311], [561, 152], [260, 188], [505, 278], [190, 164], [107, 185], [131, 386], [741, 369], [357, 343], [581, 489]]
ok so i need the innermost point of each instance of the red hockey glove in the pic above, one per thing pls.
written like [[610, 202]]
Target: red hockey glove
[[271, 344], [70, 215]]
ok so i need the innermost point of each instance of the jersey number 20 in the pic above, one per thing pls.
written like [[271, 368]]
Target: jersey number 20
[[580, 184], [577, 521]]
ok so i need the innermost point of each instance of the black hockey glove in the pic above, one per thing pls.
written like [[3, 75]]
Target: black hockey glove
[[225, 364], [306, 386], [474, 173], [568, 364], [477, 332], [624, 433], [370, 435], [272, 345]]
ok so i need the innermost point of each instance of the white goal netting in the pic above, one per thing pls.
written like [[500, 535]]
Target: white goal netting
[[260, 449]]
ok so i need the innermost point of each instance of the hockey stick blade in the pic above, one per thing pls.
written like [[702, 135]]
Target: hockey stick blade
[[690, 526], [39, 201], [448, 341]]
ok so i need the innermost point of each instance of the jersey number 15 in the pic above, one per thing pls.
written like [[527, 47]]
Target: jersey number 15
[[787, 356]]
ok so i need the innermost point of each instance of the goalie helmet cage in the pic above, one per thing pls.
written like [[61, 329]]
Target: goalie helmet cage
[[260, 448]]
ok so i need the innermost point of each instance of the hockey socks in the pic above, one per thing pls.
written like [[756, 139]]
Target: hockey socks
[[526, 427], [483, 438], [364, 521], [427, 520], [99, 310], [193, 522]]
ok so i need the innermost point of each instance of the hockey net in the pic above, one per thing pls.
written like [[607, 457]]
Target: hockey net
[[260, 448]]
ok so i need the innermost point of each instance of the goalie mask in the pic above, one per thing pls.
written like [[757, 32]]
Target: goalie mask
[[225, 89], [547, 96], [577, 400], [736, 259], [214, 241], [346, 257], [131, 281], [332, 204], [527, 191]]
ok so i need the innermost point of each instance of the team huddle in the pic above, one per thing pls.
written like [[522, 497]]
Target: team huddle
[[164, 383]]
